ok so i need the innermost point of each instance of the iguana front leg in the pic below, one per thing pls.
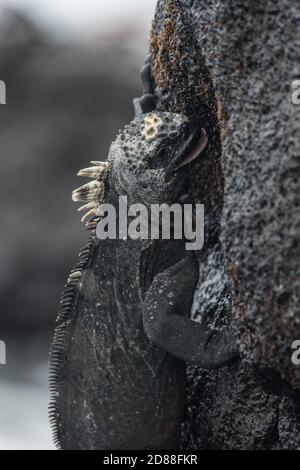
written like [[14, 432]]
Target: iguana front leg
[[166, 305], [146, 103]]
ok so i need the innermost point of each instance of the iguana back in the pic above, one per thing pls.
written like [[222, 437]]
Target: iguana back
[[112, 388], [124, 334]]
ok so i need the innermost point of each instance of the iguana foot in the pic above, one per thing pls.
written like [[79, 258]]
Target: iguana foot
[[166, 305], [147, 102]]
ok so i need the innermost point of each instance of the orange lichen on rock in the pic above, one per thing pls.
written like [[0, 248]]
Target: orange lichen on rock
[[179, 71], [164, 49]]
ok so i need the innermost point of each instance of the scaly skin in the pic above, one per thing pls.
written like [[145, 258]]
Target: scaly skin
[[124, 332]]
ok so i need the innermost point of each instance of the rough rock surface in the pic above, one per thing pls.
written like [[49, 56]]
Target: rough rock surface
[[231, 64]]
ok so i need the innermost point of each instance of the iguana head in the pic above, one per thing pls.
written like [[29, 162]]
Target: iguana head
[[145, 162], [148, 155]]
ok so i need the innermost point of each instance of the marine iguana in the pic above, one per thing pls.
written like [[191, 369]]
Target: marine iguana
[[124, 336]]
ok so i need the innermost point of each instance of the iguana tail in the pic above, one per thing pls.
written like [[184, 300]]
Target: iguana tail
[[56, 360]]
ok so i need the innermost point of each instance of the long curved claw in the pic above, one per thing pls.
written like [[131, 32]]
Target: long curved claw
[[196, 151]]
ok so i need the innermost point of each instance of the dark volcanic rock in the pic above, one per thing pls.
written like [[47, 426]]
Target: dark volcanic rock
[[231, 65]]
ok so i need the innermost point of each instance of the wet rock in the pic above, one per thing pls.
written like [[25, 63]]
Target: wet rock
[[230, 65]]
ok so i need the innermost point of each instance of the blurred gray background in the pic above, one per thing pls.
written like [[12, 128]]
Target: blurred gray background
[[71, 71]]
